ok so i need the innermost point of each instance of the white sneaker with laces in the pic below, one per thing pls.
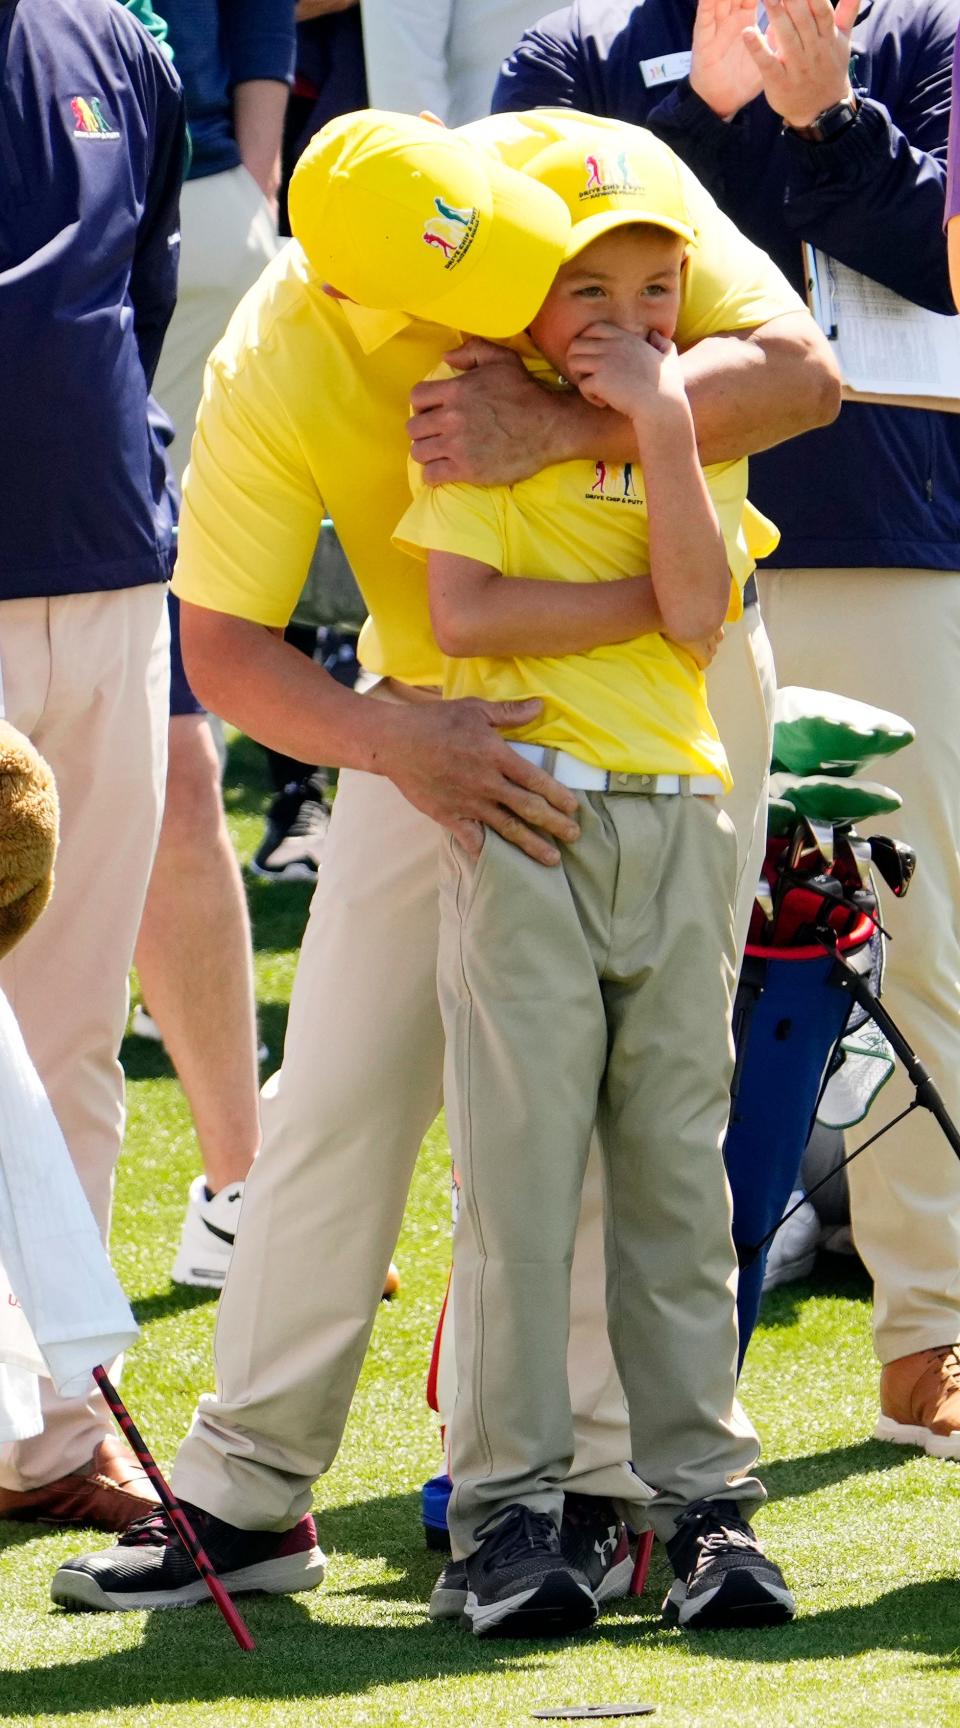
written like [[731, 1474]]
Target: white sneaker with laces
[[206, 1240], [793, 1250]]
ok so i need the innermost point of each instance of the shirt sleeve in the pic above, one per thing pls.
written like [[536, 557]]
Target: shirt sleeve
[[953, 150], [747, 534], [261, 39], [153, 270], [251, 507], [466, 520], [545, 69]]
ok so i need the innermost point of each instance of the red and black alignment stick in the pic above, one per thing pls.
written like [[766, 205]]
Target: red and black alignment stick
[[181, 1522]]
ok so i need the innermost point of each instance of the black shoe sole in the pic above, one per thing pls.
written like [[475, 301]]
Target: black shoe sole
[[740, 1600], [558, 1605]]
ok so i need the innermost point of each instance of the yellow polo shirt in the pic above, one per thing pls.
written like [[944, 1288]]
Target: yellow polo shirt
[[303, 415], [637, 707]]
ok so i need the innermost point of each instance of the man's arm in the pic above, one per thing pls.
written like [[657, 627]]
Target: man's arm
[[447, 758], [747, 390], [261, 45], [871, 196]]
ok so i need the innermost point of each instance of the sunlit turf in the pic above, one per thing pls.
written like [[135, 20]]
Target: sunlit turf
[[868, 1535]]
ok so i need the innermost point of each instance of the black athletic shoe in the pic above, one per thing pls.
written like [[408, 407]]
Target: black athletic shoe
[[723, 1576], [594, 1541], [448, 1599], [149, 1568], [296, 831], [518, 1583]]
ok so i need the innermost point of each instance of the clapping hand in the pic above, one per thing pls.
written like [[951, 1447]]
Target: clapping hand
[[805, 68]]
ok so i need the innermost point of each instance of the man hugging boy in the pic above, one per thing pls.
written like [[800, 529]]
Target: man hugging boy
[[599, 990]]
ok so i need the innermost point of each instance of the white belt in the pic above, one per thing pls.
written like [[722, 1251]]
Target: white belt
[[584, 777]]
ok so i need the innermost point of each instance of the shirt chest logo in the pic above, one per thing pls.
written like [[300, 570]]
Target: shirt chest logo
[[90, 119], [665, 69], [614, 483]]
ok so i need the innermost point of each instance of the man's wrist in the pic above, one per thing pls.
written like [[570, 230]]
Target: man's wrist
[[826, 125]]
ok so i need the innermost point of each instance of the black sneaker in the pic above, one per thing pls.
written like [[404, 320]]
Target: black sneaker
[[723, 1576], [594, 1541], [149, 1568], [293, 842], [448, 1599], [518, 1583]]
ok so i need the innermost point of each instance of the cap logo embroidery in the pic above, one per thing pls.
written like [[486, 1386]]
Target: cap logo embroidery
[[451, 231], [90, 119], [606, 176]]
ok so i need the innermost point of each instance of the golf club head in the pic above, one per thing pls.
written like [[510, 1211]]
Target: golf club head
[[895, 860]]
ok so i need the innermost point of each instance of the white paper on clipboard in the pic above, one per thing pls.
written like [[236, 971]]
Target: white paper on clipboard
[[888, 349]]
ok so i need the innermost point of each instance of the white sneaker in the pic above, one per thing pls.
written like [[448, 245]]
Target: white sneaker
[[793, 1250], [206, 1240]]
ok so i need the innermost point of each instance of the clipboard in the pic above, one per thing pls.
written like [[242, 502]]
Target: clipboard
[[889, 351]]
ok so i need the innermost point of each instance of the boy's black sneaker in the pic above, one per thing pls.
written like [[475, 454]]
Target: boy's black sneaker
[[448, 1598], [518, 1583], [594, 1541], [297, 821], [149, 1568], [723, 1576]]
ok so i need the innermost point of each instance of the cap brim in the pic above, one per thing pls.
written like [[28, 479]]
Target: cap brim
[[583, 233], [525, 247]]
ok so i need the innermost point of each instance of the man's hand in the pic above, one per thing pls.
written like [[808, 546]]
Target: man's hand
[[722, 69], [449, 760], [638, 375], [307, 9], [490, 426], [807, 67]]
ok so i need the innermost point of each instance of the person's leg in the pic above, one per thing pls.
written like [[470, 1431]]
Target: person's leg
[[741, 689], [526, 1044], [85, 676], [342, 1124], [901, 649], [194, 957]]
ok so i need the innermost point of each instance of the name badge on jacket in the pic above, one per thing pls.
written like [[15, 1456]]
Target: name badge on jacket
[[667, 69]]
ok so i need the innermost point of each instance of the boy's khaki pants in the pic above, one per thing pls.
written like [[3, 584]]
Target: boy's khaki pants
[[600, 990], [343, 1122]]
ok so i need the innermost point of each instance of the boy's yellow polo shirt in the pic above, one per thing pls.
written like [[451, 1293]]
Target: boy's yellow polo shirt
[[303, 415], [636, 707]]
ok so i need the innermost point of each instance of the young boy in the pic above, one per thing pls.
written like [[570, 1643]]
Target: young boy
[[600, 989]]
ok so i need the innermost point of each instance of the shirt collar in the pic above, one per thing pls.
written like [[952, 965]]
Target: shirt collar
[[372, 328]]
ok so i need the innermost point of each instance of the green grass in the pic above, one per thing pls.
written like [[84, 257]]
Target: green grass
[[868, 1535]]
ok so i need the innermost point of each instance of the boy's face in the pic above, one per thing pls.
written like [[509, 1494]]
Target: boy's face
[[630, 277]]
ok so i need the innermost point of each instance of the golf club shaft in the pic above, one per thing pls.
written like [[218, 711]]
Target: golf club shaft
[[181, 1522]]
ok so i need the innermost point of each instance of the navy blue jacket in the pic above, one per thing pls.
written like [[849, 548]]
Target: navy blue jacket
[[91, 151], [882, 485], [217, 44]]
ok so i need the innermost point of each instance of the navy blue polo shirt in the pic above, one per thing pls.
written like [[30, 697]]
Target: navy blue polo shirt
[[91, 153], [216, 45]]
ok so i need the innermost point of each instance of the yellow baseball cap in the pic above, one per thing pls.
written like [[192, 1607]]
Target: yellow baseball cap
[[400, 214], [607, 181]]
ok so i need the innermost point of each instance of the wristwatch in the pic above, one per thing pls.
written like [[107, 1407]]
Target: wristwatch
[[829, 124]]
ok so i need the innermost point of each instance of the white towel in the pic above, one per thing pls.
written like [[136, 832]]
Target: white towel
[[62, 1311]]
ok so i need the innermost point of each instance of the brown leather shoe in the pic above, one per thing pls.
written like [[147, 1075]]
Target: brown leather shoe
[[920, 1401], [107, 1494]]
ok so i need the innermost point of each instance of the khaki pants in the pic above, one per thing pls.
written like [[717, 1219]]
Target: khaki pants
[[227, 235], [86, 677], [598, 991], [892, 637], [342, 1124]]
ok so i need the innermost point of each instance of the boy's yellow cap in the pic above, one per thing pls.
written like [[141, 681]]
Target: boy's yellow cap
[[400, 214], [607, 182]]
